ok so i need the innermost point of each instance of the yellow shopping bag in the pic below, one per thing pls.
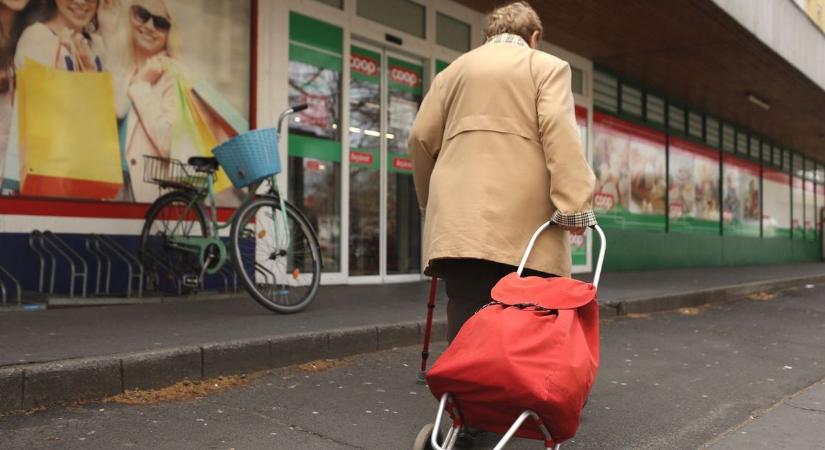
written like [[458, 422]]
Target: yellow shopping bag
[[68, 134]]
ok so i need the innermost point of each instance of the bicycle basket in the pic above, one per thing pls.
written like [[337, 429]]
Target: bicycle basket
[[172, 173], [250, 157]]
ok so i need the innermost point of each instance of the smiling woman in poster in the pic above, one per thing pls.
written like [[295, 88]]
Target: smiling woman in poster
[[13, 17], [151, 75], [67, 37]]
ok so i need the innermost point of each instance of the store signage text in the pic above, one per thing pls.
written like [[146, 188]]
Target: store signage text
[[404, 76], [402, 163], [360, 158], [363, 65]]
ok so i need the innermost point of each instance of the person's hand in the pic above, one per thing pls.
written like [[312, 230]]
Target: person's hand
[[578, 231], [83, 51], [108, 14], [151, 70]]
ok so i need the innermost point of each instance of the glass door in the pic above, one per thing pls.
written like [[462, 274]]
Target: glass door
[[385, 92]]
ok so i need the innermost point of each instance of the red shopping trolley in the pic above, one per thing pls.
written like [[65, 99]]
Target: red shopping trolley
[[532, 353]]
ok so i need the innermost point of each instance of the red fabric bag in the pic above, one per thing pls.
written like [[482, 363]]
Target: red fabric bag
[[536, 348]]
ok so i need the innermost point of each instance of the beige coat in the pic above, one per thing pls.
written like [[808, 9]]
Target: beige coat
[[496, 151], [150, 127]]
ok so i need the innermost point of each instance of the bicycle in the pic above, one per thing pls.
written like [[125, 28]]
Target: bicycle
[[271, 243]]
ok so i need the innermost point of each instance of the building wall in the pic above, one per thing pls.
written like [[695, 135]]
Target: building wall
[[784, 27]]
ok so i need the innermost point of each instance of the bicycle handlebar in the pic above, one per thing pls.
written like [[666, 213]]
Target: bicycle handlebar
[[289, 111]]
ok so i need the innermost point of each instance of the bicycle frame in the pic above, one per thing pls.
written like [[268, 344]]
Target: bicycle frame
[[203, 246]]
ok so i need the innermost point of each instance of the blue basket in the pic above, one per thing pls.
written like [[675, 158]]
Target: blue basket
[[250, 157]]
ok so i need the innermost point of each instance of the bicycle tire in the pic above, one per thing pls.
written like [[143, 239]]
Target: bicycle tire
[[266, 281], [179, 260]]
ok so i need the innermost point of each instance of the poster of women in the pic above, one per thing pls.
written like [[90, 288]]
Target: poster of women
[[88, 88]]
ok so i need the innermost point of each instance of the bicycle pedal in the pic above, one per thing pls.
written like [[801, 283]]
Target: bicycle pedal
[[191, 281]]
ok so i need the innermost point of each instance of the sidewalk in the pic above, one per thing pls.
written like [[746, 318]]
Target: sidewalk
[[795, 422], [53, 355]]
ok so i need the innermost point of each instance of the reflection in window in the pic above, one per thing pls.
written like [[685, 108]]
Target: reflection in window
[[365, 177], [314, 154], [403, 215]]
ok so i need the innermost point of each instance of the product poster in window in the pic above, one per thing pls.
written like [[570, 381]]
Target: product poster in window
[[694, 187], [88, 89], [798, 216], [629, 162], [740, 197], [776, 218], [810, 211]]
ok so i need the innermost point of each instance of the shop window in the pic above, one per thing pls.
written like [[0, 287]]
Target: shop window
[[786, 160], [755, 148], [766, 153], [695, 124], [741, 142], [577, 83], [676, 118], [631, 100], [728, 138], [605, 92], [314, 70], [741, 210], [452, 33], [712, 131], [776, 218], [403, 15], [339, 4], [798, 166], [655, 109], [777, 157]]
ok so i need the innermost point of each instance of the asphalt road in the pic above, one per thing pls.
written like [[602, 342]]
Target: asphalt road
[[670, 380]]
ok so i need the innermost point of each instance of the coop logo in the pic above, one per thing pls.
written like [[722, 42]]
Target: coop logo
[[576, 241], [404, 76], [363, 65], [676, 210], [603, 201]]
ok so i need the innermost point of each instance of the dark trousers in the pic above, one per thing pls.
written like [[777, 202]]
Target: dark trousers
[[468, 283]]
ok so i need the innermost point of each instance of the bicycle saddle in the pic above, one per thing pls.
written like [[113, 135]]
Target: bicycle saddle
[[207, 164]]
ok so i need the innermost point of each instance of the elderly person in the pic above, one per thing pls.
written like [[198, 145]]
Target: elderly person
[[496, 153]]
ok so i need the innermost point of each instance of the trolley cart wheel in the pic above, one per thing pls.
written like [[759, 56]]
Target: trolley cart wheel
[[422, 441]]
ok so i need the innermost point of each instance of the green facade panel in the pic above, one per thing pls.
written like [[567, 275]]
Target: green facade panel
[[630, 250]]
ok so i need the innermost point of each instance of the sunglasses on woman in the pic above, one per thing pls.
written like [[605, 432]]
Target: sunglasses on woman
[[143, 16]]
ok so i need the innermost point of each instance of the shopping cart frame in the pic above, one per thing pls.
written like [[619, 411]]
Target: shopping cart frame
[[449, 441]]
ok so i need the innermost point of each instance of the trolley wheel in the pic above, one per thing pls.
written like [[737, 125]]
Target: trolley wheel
[[422, 441]]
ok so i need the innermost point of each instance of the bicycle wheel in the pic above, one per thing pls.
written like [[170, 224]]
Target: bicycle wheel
[[282, 276], [176, 213]]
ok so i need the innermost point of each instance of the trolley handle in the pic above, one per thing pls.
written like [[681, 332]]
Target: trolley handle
[[289, 111], [599, 264]]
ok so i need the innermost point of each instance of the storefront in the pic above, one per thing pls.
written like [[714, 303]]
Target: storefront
[[347, 160], [676, 186]]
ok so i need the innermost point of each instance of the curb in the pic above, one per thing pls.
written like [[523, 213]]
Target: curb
[[52, 383], [40, 385], [701, 296]]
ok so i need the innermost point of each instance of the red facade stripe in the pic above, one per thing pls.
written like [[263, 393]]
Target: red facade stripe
[[33, 206]]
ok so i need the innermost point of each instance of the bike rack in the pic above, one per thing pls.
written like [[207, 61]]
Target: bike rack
[[16, 285], [93, 247], [48, 246], [162, 264], [51, 243], [107, 247], [37, 244], [227, 272]]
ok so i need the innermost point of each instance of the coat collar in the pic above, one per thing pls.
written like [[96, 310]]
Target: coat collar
[[508, 38]]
